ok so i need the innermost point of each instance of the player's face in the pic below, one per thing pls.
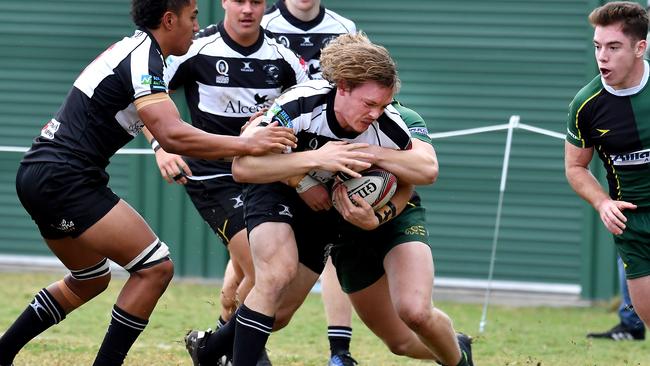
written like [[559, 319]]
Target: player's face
[[357, 108], [185, 26], [304, 5], [619, 57], [242, 19]]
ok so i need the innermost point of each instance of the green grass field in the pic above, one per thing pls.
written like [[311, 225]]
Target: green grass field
[[539, 336]]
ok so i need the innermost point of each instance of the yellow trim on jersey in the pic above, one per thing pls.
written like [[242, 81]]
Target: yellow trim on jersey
[[222, 231], [578, 112], [619, 194], [150, 99]]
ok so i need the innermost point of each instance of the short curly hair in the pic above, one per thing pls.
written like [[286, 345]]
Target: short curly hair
[[148, 13], [632, 16], [354, 60]]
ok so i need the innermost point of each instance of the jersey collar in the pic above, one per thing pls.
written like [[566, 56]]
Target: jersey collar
[[154, 41], [246, 51], [305, 26], [633, 90]]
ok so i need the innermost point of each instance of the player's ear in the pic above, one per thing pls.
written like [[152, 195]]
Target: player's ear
[[168, 20], [641, 47], [342, 87]]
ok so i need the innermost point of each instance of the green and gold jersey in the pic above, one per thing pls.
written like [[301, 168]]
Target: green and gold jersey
[[616, 123]]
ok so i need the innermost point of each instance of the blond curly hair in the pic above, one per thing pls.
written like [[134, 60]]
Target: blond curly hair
[[354, 60]]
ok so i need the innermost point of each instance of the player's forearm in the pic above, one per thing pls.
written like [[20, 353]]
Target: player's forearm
[[418, 165], [271, 168], [186, 140], [586, 185]]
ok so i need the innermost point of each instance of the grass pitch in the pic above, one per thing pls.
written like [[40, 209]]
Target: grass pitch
[[539, 336]]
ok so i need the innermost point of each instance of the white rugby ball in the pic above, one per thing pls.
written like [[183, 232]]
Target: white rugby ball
[[376, 186]]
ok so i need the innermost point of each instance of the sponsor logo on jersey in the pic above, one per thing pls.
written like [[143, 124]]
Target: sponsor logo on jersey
[[281, 116], [285, 210], [239, 108], [154, 82], [306, 42], [247, 66], [65, 226], [419, 131], [602, 132], [50, 129], [238, 201], [633, 158], [285, 41], [416, 230], [222, 72]]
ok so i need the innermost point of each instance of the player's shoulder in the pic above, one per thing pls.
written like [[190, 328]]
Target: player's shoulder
[[310, 88], [587, 93], [348, 24], [270, 14]]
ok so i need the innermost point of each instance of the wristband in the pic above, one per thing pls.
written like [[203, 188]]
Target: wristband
[[387, 212], [305, 183], [155, 145]]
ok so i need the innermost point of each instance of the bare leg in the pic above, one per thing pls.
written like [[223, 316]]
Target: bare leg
[[640, 294]]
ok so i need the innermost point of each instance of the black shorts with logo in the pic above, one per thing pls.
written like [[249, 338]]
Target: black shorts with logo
[[277, 202], [220, 203], [64, 200]]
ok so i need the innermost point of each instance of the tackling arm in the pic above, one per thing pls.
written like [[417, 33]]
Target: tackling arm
[[418, 165]]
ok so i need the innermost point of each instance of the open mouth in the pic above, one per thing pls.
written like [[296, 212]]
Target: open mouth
[[605, 72]]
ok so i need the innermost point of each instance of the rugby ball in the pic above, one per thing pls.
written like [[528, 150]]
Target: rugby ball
[[376, 186]]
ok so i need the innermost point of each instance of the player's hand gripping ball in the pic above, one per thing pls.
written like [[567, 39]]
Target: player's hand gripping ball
[[376, 186]]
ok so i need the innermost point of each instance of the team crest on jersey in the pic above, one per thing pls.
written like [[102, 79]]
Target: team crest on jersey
[[50, 129], [273, 73], [222, 72], [285, 41], [154, 82], [325, 41]]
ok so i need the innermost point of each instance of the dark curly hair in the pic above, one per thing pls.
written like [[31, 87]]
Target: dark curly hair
[[148, 13], [632, 16]]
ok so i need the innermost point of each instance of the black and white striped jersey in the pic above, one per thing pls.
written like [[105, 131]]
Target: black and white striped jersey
[[308, 109], [225, 83], [306, 38], [98, 116]]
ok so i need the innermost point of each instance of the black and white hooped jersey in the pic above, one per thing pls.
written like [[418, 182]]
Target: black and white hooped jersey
[[98, 116], [306, 38], [226, 83], [308, 109]]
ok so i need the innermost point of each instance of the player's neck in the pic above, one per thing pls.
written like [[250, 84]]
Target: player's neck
[[244, 40], [303, 15]]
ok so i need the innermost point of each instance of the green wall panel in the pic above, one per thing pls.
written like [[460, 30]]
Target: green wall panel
[[463, 65]]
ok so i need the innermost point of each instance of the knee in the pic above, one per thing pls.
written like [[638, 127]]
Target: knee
[[399, 347], [274, 280], [158, 276], [415, 316], [85, 290]]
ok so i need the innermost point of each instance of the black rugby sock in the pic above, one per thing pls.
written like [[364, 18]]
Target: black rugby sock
[[253, 330], [43, 312], [122, 332], [220, 342], [339, 338]]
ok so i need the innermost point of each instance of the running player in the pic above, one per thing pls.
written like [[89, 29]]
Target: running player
[[62, 182], [232, 71], [610, 115], [348, 107], [305, 26]]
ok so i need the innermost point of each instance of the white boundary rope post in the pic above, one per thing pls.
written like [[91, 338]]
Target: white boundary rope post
[[513, 123]]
